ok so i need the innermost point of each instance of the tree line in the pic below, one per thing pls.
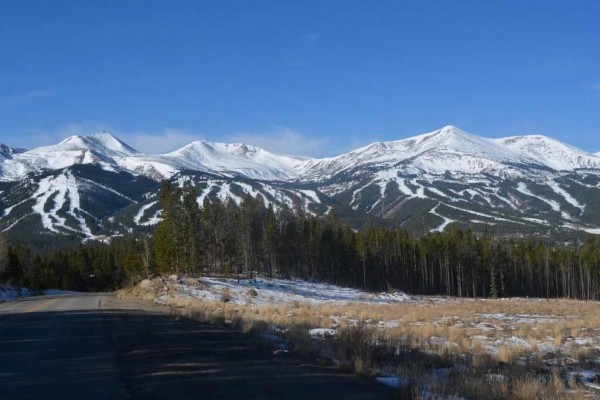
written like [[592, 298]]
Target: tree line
[[94, 266], [250, 238]]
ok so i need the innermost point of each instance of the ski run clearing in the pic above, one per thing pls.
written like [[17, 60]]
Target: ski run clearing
[[500, 335]]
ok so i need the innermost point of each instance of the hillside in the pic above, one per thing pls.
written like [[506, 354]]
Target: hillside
[[94, 187]]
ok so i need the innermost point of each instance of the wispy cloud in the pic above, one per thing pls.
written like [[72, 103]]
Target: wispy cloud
[[44, 137], [25, 97], [277, 139], [283, 140], [146, 142], [160, 142], [594, 86], [36, 94], [312, 37]]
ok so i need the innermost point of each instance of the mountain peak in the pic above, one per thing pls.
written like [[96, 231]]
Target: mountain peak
[[450, 129], [102, 142], [450, 137], [236, 158], [453, 131], [104, 135], [109, 141]]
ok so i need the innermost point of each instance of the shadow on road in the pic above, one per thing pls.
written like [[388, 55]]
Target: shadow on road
[[135, 354]]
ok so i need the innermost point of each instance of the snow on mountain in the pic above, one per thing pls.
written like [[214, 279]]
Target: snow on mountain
[[446, 150], [453, 150], [101, 148], [228, 159], [551, 153], [431, 181], [8, 152], [71, 202], [425, 183]]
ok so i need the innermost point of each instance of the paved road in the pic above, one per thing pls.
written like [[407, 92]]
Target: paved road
[[94, 346]]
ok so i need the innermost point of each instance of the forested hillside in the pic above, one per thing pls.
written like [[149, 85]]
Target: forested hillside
[[249, 239], [94, 187]]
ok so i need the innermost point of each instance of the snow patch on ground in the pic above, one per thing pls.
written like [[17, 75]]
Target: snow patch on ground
[[322, 332], [9, 293], [392, 381], [269, 292]]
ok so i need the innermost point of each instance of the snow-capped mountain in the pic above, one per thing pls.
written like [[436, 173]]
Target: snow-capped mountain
[[102, 149], [551, 153], [448, 149], [524, 184], [452, 150], [229, 159], [90, 186]]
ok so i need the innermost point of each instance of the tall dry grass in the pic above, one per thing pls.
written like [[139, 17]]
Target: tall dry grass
[[425, 334]]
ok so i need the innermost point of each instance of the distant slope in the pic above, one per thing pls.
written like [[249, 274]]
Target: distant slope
[[230, 159]]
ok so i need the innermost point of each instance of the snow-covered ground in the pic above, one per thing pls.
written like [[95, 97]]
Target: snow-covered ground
[[8, 293], [262, 292], [558, 335]]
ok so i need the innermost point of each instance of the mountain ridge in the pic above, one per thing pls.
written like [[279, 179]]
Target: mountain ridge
[[206, 156], [98, 186]]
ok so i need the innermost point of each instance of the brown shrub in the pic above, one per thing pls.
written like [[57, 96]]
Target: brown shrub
[[356, 346]]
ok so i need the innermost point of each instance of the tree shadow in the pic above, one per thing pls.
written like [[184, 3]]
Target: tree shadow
[[137, 354]]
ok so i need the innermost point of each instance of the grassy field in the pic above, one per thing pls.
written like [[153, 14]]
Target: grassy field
[[426, 346]]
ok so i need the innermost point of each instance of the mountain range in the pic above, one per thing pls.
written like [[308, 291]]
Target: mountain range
[[97, 187]]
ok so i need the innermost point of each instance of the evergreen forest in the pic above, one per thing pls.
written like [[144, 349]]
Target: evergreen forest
[[248, 239]]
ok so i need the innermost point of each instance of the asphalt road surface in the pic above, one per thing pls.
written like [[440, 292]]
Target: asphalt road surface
[[94, 346]]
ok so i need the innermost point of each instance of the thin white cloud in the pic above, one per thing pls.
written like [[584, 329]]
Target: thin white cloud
[[594, 86], [36, 94], [20, 98], [145, 142], [278, 139], [157, 143], [283, 140], [312, 37], [45, 137]]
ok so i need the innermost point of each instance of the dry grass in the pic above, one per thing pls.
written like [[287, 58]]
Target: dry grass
[[430, 333], [531, 387], [302, 343], [459, 322], [356, 348]]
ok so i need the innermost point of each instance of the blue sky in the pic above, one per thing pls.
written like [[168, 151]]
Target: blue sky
[[303, 77]]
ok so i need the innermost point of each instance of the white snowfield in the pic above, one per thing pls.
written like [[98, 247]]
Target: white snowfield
[[454, 150], [446, 149], [273, 292], [221, 158], [102, 148]]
